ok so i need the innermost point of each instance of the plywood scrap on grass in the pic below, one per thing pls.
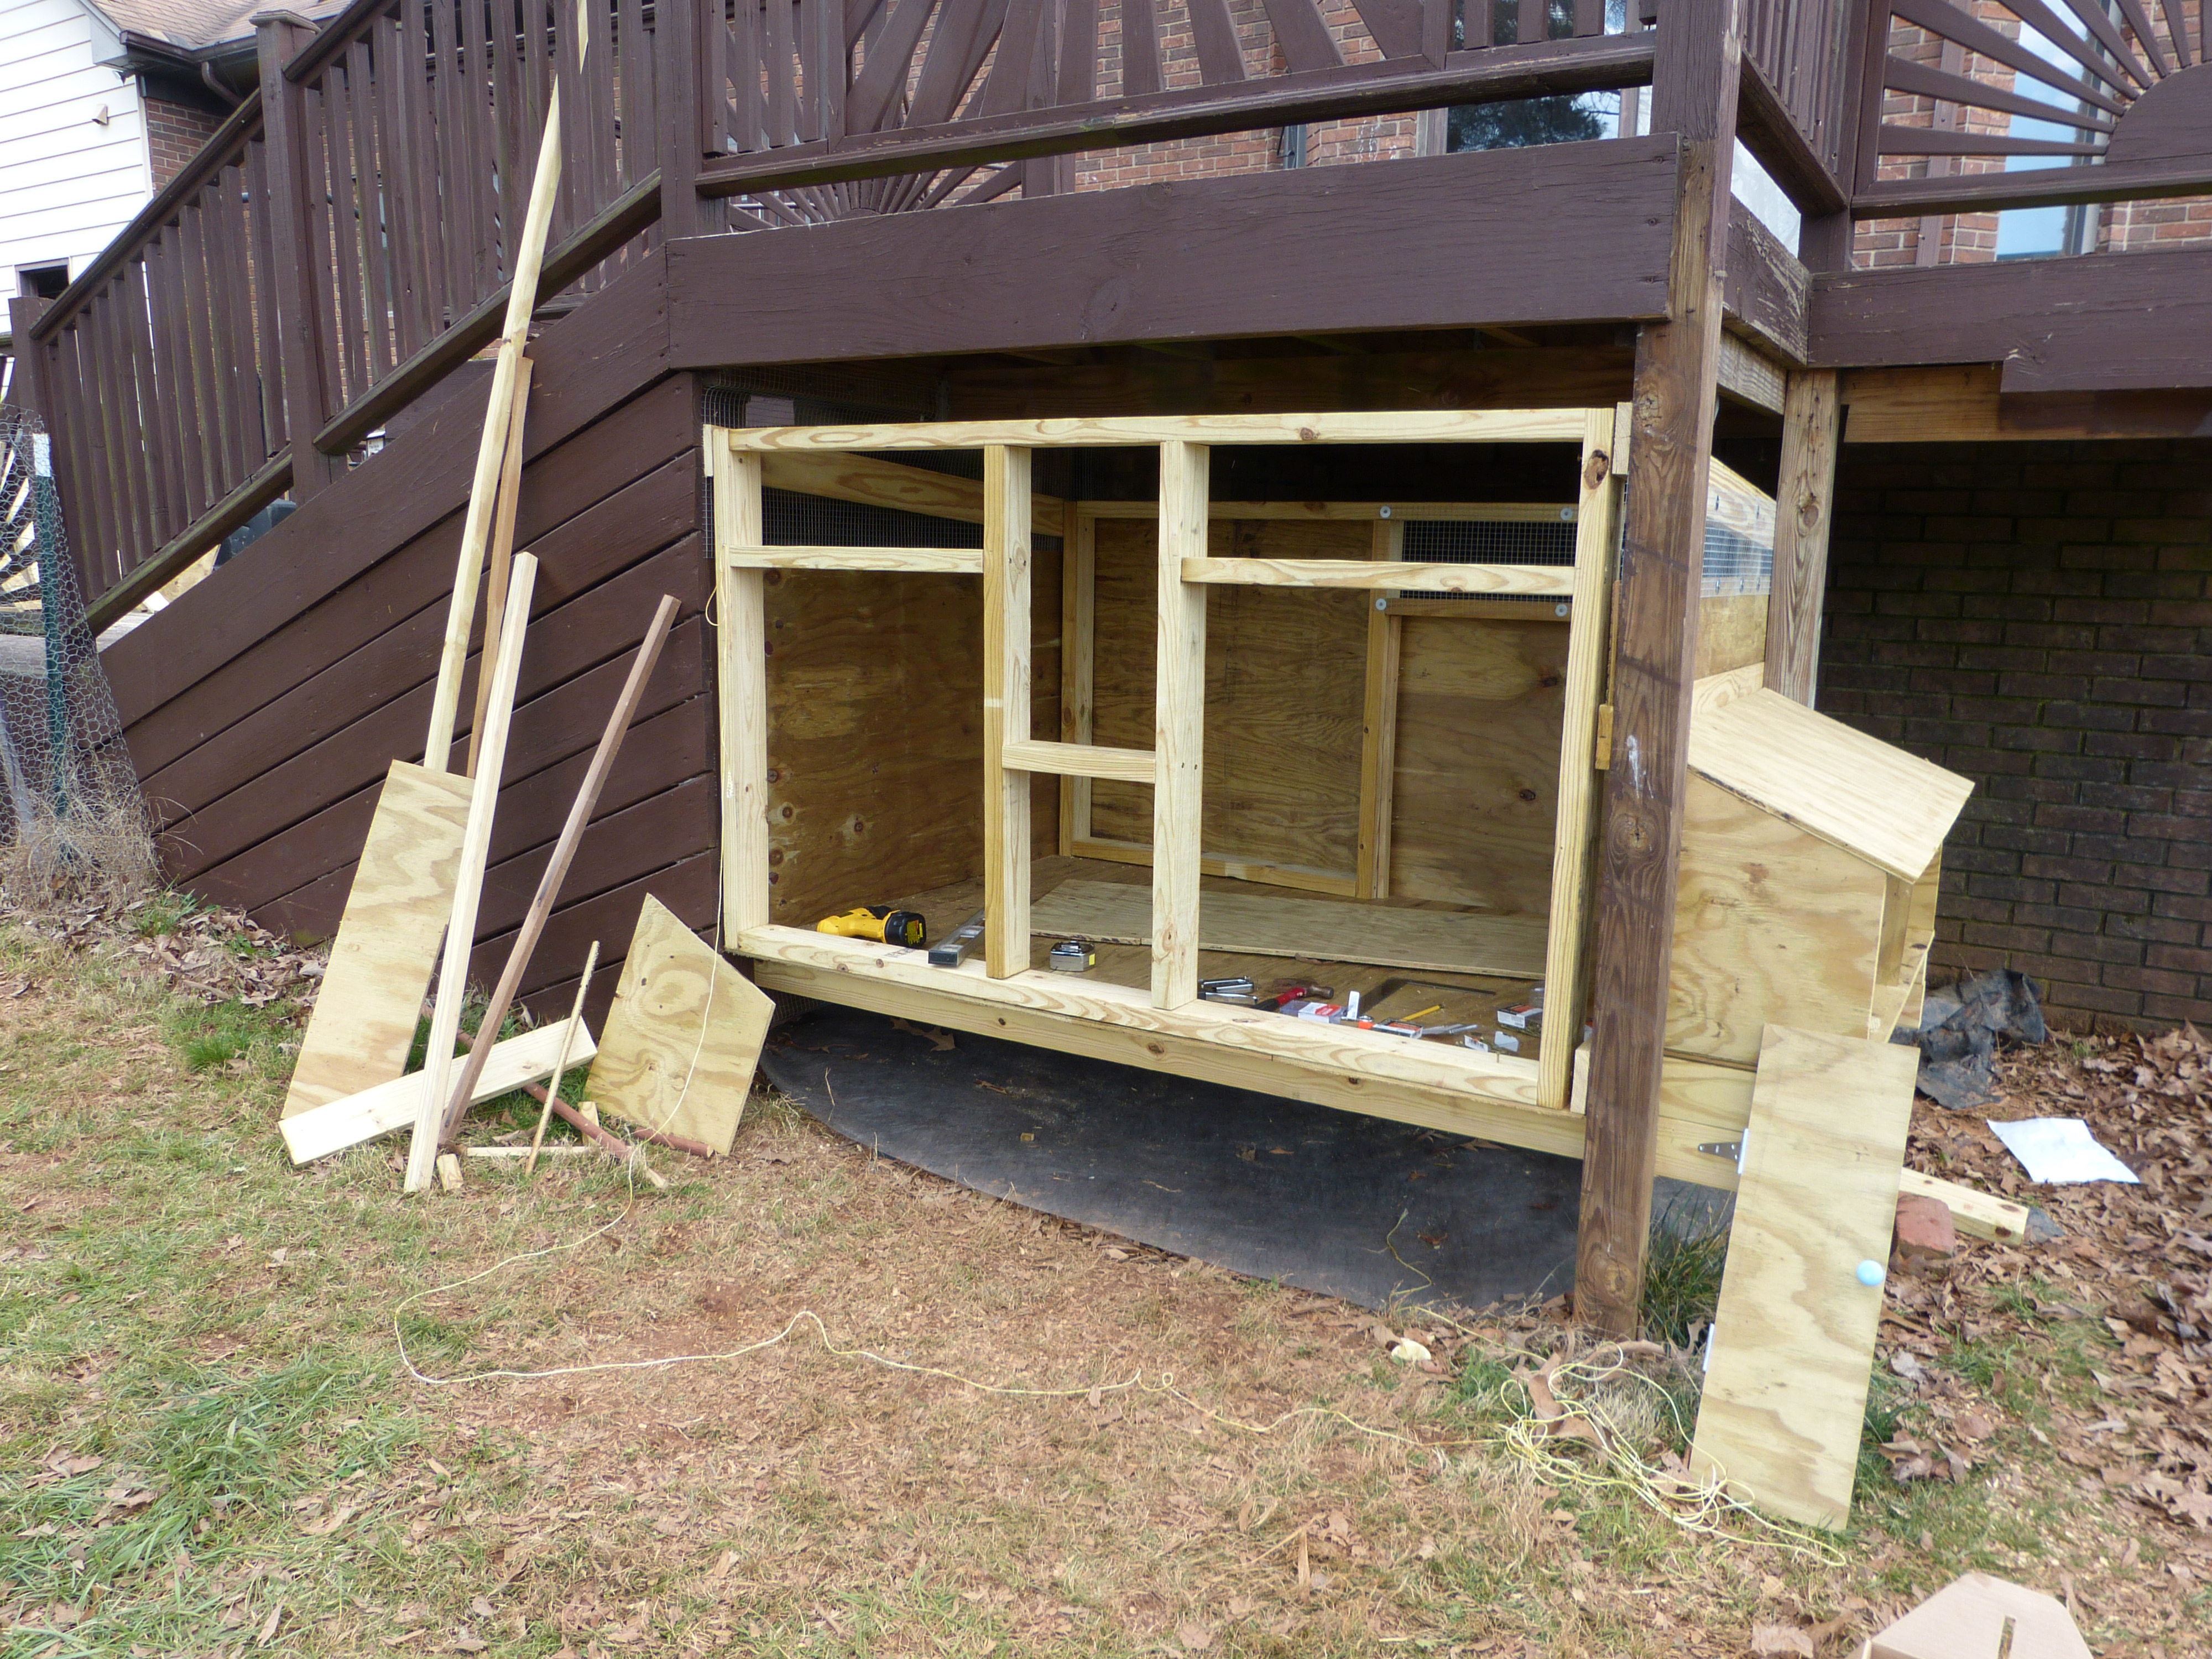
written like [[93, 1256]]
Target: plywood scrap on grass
[[1976, 1614], [387, 940], [683, 1037], [395, 1104], [1794, 1331]]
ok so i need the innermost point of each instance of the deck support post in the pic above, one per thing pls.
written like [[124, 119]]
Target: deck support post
[[1694, 87], [1005, 709], [278, 35], [1805, 504], [1179, 727]]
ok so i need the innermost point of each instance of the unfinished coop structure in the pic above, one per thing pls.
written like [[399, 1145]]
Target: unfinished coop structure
[[1351, 744]]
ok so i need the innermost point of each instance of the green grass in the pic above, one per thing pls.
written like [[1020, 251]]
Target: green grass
[[1682, 1276]]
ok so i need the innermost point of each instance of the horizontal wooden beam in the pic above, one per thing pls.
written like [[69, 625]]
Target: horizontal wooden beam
[[1359, 511], [1080, 760], [1489, 377], [1305, 877], [947, 561], [1502, 72], [1964, 404], [1418, 426], [1750, 376], [605, 231], [1549, 581], [1567, 234], [1763, 290], [874, 482], [2096, 322], [1990, 192]]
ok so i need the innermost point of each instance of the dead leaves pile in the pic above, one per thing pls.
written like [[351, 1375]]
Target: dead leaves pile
[[210, 956], [2138, 1258]]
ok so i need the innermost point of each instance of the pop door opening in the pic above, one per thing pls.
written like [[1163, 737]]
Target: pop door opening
[[1189, 563]]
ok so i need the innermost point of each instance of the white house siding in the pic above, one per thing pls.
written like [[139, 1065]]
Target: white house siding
[[67, 184]]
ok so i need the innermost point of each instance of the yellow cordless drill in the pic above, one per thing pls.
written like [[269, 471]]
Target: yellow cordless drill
[[880, 922]]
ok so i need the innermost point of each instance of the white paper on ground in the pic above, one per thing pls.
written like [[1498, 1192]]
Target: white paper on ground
[[2060, 1150]]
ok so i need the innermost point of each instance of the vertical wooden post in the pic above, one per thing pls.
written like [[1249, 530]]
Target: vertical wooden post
[[681, 64], [741, 673], [1597, 535], [278, 36], [1378, 726], [1005, 709], [1179, 727], [1694, 83], [1079, 631], [1805, 502], [1825, 243]]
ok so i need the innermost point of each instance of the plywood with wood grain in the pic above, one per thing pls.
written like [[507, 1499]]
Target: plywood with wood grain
[[1476, 783], [1286, 670], [1469, 942], [387, 941], [683, 1037], [1890, 808], [1731, 632], [875, 741], [1794, 1331], [1769, 922]]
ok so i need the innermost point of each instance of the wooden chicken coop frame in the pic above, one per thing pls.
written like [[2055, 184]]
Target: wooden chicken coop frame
[[1168, 1027]]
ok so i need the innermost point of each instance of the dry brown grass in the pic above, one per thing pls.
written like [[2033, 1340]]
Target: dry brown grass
[[793, 1501]]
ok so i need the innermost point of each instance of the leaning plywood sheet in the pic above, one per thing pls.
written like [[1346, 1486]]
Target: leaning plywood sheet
[[387, 941], [1440, 941], [1793, 1334], [683, 1037], [395, 1105], [1890, 808]]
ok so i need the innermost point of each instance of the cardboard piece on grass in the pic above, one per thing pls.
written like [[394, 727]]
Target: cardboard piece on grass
[[1968, 1617], [683, 1037], [387, 940], [396, 1104]]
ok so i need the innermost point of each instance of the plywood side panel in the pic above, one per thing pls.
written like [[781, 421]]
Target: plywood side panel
[[1285, 674], [1731, 632], [875, 741], [1793, 1332], [1771, 925], [1477, 782]]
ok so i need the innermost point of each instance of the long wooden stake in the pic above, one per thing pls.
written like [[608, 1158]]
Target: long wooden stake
[[456, 1099], [561, 1059], [522, 301], [502, 549], [468, 883]]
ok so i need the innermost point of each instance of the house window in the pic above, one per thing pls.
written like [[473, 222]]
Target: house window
[[43, 282]]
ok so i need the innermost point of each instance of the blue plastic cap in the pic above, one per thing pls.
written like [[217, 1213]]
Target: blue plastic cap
[[1871, 1273]]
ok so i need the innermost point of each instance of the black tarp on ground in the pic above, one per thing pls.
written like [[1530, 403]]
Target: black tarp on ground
[[1271, 1187]]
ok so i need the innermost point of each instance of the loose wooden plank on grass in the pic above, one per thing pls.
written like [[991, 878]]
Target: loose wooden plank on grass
[[1793, 1334], [372, 994], [683, 1035], [395, 1105]]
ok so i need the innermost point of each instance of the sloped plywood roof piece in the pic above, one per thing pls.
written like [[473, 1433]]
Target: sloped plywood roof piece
[[1890, 808]]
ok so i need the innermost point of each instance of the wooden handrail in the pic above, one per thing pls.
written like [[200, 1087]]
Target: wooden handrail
[[220, 150], [1582, 65]]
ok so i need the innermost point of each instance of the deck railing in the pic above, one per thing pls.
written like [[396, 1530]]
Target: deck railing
[[345, 239]]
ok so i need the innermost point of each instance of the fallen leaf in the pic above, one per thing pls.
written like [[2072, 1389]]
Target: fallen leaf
[[1768, 1640], [1196, 1638]]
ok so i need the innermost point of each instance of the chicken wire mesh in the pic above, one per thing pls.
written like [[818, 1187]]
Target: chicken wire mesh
[[73, 826]]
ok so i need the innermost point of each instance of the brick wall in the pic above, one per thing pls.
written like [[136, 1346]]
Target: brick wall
[[2038, 618], [175, 132]]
